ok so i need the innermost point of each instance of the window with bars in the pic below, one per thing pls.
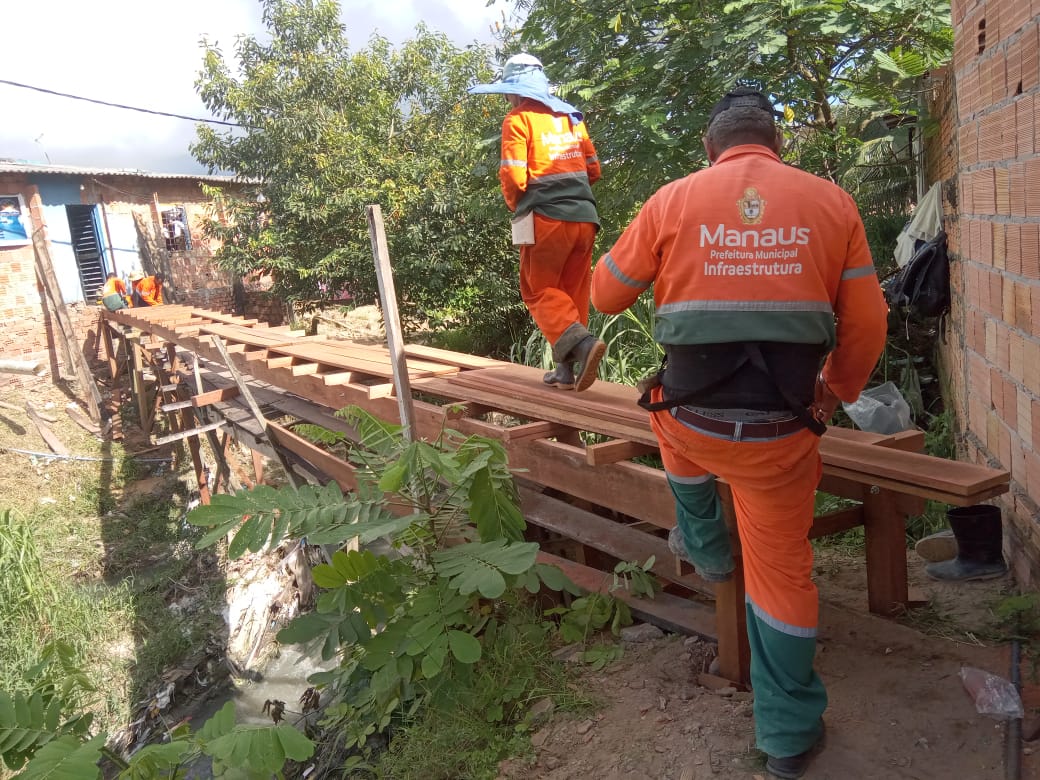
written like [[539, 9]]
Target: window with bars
[[175, 229]]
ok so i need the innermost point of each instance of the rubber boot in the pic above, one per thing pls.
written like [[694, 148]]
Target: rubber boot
[[587, 354], [940, 546], [979, 546], [562, 376]]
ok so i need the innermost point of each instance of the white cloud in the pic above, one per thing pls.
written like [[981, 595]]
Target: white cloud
[[146, 54]]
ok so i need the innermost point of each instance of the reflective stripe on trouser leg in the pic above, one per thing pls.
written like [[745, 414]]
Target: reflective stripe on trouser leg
[[556, 275], [789, 695], [773, 484], [698, 513]]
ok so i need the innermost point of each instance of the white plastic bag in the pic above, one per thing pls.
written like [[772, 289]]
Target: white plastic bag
[[993, 695], [880, 409]]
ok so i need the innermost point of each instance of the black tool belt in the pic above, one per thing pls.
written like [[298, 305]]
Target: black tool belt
[[767, 376]]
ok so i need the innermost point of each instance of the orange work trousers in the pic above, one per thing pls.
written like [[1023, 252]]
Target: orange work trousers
[[556, 274], [774, 487]]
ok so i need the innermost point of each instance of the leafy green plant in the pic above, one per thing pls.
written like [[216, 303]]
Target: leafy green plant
[[409, 629]]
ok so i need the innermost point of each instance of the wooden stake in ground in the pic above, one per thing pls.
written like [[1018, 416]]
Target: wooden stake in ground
[[56, 444], [391, 319], [65, 330]]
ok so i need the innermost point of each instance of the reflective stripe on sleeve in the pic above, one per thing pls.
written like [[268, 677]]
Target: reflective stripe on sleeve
[[856, 273], [618, 274], [513, 164]]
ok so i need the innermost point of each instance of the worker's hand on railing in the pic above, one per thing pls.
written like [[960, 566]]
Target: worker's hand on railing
[[825, 401]]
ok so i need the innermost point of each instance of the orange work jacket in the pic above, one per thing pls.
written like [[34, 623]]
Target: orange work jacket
[[752, 249], [150, 291], [548, 164]]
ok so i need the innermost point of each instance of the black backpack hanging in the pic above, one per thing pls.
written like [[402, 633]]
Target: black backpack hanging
[[923, 285]]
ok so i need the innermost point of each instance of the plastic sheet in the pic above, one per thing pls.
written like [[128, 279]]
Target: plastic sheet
[[880, 409], [993, 695]]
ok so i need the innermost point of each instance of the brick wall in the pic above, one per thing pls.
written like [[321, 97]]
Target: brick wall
[[26, 329], [986, 155]]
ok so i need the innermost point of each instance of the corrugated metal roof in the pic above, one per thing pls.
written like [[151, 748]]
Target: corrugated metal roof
[[13, 166]]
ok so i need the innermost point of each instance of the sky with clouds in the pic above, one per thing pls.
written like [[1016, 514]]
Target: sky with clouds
[[146, 54]]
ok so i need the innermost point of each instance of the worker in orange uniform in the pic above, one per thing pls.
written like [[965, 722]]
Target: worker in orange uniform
[[113, 294], [548, 165], [762, 275], [147, 290]]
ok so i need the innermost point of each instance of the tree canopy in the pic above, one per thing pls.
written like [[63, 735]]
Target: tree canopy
[[648, 71], [327, 130]]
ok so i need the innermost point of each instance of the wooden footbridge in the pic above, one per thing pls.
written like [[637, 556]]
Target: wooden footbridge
[[589, 505]]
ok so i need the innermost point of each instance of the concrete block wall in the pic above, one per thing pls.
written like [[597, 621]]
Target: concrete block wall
[[987, 154]]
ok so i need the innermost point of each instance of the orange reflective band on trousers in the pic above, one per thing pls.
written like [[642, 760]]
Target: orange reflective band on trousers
[[773, 485], [556, 274]]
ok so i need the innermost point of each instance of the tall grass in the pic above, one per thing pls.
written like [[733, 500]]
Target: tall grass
[[40, 607], [632, 352]]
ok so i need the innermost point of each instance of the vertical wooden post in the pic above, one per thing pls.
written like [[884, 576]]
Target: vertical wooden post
[[884, 528], [391, 319], [110, 347], [65, 330], [730, 607]]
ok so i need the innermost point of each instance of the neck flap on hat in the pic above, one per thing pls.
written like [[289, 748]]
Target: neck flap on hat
[[527, 81]]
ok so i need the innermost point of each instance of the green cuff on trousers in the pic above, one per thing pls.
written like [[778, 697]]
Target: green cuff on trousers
[[789, 695], [698, 513]]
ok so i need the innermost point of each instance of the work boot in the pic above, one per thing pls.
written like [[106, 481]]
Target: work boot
[[587, 354], [940, 546], [677, 546], [562, 376], [793, 767], [979, 536]]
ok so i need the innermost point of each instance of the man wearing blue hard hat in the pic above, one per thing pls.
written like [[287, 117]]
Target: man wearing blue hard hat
[[547, 168]]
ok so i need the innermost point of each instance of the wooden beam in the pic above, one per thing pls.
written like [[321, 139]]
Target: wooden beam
[[671, 613], [536, 430], [615, 451], [185, 434], [214, 396], [56, 445], [600, 533], [65, 330]]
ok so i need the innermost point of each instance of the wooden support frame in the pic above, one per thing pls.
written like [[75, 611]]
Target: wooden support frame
[[628, 495]]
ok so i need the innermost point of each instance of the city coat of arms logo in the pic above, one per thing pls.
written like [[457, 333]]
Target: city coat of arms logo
[[752, 207]]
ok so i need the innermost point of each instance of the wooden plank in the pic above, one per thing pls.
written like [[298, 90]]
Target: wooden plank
[[536, 430], [868, 480], [230, 319], [179, 435], [836, 522], [82, 420], [600, 533], [214, 396], [56, 445], [730, 604], [65, 331], [671, 613], [457, 359], [335, 468], [615, 451], [254, 337]]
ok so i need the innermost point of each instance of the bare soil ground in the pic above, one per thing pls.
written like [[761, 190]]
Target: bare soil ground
[[897, 706]]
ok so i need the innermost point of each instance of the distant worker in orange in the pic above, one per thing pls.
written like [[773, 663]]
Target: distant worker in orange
[[113, 294], [147, 290], [547, 167], [762, 276]]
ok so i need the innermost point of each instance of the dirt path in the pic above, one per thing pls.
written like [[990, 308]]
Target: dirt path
[[897, 707]]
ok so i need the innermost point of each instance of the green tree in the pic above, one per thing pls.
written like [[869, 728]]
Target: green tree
[[326, 130], [647, 73]]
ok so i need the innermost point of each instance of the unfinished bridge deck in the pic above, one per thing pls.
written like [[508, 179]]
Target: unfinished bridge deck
[[618, 508]]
